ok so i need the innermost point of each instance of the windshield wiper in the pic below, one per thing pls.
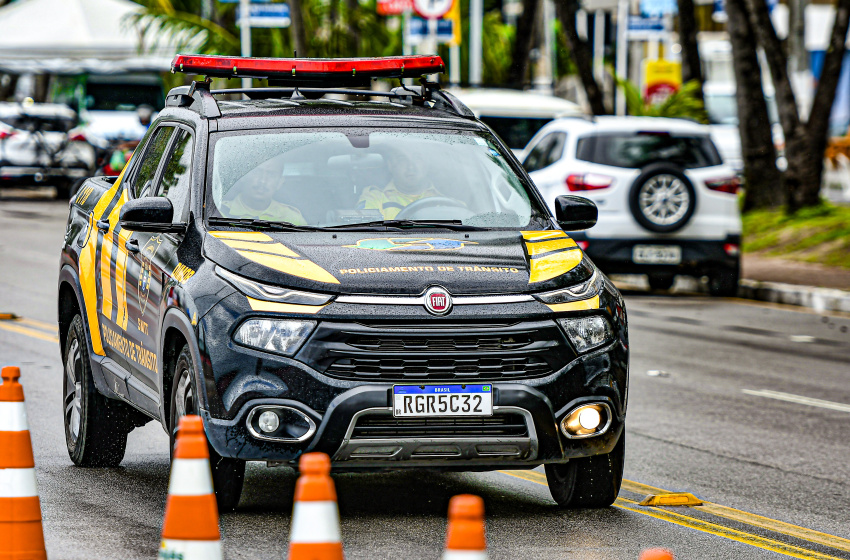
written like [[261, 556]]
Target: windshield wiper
[[260, 224], [456, 225]]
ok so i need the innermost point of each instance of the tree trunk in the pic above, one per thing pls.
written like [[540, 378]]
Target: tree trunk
[[761, 177], [582, 55], [299, 35], [691, 64], [817, 127], [523, 42], [353, 28]]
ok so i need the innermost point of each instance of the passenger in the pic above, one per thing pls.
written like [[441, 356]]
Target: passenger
[[409, 183], [256, 199]]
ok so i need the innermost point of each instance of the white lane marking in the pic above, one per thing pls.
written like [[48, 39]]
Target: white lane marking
[[18, 483], [801, 338], [315, 522], [13, 417], [798, 399], [190, 477]]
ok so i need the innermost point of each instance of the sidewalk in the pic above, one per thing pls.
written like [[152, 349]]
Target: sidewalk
[[819, 287]]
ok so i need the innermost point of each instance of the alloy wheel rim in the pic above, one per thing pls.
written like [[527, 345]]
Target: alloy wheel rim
[[73, 393], [185, 397], [664, 199]]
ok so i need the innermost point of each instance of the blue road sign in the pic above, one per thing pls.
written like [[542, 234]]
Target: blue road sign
[[267, 15]]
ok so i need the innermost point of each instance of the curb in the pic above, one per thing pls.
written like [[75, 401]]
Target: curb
[[818, 299]]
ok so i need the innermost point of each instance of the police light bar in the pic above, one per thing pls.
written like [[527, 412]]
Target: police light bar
[[309, 71]]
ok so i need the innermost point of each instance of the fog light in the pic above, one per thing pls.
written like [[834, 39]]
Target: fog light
[[268, 422], [586, 420]]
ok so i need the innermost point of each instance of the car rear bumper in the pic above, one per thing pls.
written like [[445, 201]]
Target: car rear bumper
[[36, 175], [615, 256]]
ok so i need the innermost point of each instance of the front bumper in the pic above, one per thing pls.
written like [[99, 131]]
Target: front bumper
[[337, 436], [699, 257]]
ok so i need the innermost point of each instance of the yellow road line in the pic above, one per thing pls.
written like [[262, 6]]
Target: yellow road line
[[774, 525], [49, 327], [28, 332]]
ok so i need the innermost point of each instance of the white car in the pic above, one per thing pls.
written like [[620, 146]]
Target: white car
[[667, 202], [514, 115], [39, 145]]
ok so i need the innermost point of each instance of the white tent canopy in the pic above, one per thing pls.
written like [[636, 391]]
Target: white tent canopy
[[71, 36]]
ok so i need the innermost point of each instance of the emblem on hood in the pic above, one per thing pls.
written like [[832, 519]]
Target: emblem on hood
[[411, 244], [438, 301]]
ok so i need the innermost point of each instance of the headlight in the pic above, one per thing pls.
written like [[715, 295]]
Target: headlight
[[587, 333], [265, 292], [586, 290], [281, 336]]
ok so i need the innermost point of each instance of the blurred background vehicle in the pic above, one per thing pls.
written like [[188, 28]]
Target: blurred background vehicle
[[40, 144], [515, 116], [667, 202]]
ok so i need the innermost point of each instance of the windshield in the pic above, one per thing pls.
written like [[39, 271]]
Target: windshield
[[515, 131], [336, 178]]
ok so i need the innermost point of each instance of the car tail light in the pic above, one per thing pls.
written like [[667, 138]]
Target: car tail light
[[78, 137], [729, 185], [732, 249], [589, 182], [583, 245], [6, 134]]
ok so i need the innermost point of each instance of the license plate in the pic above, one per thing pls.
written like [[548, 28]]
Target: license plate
[[657, 254], [442, 400]]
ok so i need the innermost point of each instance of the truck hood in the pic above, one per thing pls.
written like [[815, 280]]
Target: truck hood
[[403, 263]]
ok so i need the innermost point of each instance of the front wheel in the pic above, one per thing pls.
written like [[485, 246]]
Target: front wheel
[[96, 428], [228, 474], [589, 482]]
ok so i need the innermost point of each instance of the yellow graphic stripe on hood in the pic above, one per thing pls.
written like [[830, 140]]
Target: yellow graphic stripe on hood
[[538, 235], [242, 235], [275, 307], [276, 248], [552, 265], [583, 305], [302, 268], [547, 246]]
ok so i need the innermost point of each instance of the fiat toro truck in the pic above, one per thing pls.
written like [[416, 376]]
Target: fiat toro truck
[[372, 276]]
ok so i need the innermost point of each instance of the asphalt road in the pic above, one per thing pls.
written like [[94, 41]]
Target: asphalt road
[[745, 405]]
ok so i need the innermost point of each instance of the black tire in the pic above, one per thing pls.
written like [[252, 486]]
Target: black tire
[[63, 190], [589, 482], [228, 474], [724, 282], [662, 175], [96, 427], [661, 281]]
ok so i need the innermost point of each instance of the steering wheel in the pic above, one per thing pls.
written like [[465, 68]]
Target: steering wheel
[[408, 212]]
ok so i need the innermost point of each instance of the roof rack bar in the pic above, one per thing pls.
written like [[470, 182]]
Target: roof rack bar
[[266, 93]]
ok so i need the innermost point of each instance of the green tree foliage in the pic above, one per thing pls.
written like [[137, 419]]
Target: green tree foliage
[[685, 103]]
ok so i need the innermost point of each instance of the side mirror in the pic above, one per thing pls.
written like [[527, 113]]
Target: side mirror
[[152, 213], [574, 213]]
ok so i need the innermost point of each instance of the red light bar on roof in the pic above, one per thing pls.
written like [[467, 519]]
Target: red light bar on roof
[[312, 71]]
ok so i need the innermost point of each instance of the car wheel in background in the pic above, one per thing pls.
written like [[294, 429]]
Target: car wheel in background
[[723, 282], [661, 281], [589, 482], [662, 199], [95, 427], [228, 474], [63, 189]]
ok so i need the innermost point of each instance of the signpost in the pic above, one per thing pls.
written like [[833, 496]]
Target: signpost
[[267, 15]]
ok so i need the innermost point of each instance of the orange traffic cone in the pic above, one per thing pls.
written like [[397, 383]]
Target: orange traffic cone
[[465, 536], [315, 518], [656, 554], [190, 529], [21, 533]]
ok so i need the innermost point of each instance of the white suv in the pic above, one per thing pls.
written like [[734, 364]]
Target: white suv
[[667, 202]]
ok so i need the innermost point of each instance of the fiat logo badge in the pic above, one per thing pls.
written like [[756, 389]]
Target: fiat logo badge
[[438, 301]]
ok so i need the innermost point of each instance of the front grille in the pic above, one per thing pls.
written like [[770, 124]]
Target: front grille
[[426, 344], [391, 368], [385, 426], [435, 351]]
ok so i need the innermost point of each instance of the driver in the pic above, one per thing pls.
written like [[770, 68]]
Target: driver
[[255, 200], [409, 183]]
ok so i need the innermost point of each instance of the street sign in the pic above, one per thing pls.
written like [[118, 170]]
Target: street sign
[[420, 30], [645, 28], [267, 15], [662, 78], [432, 9], [658, 7], [394, 7]]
